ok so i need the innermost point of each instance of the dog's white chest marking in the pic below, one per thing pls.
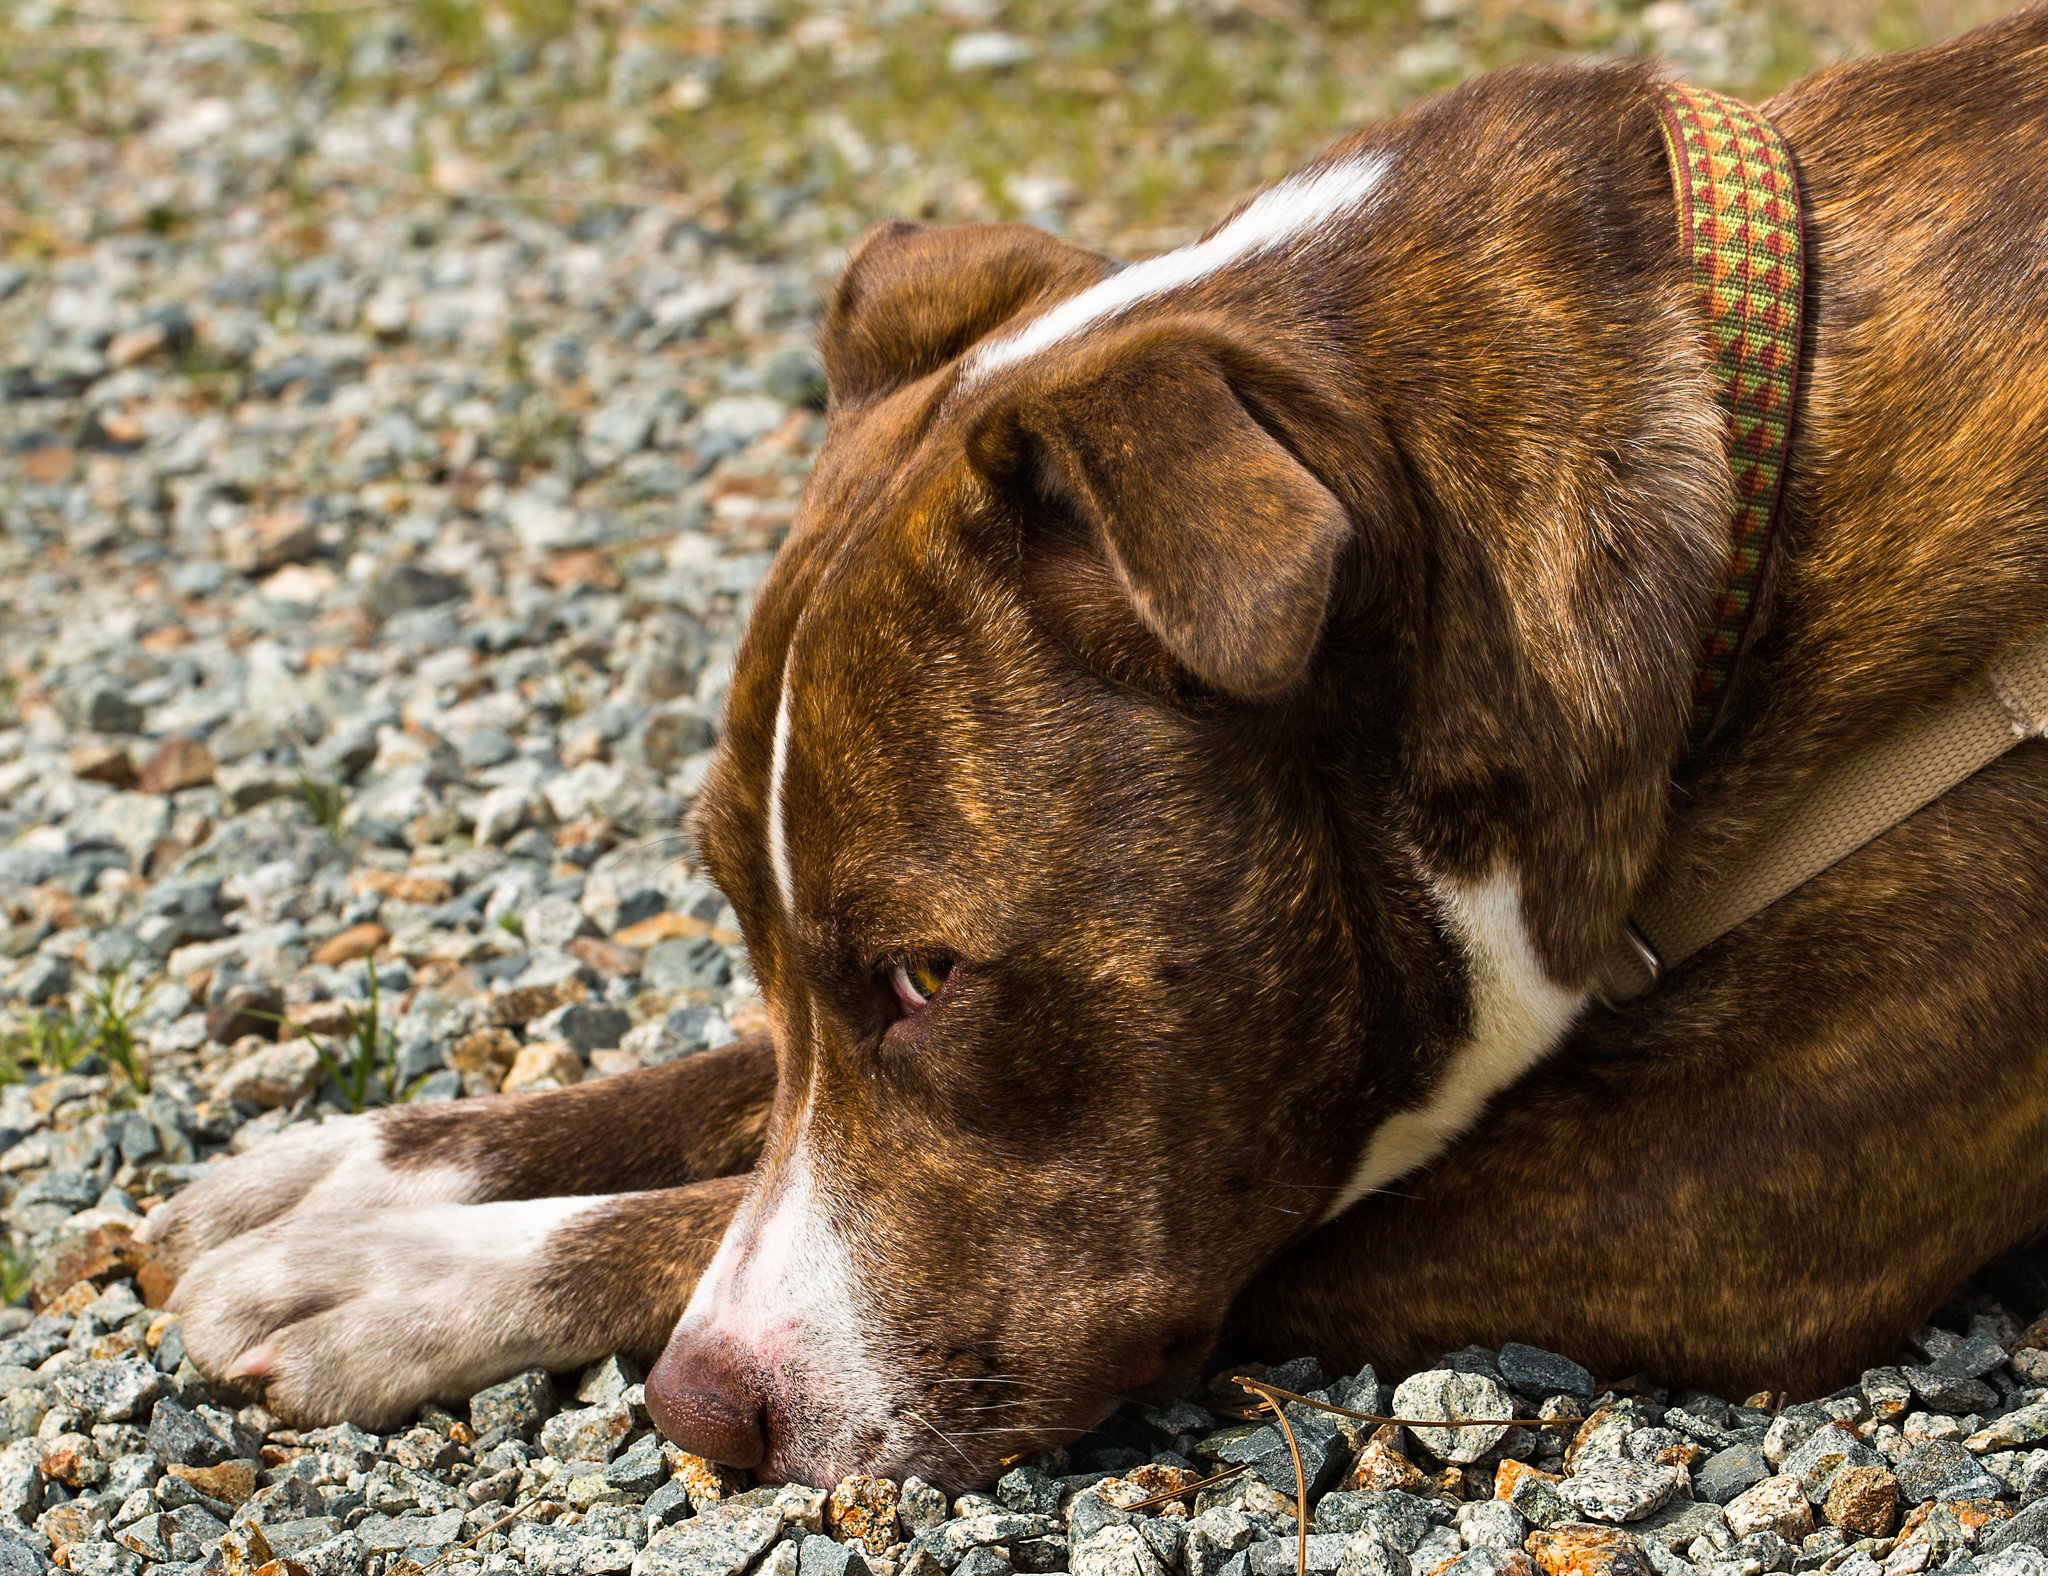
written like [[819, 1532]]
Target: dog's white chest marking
[[1519, 1014], [1293, 211]]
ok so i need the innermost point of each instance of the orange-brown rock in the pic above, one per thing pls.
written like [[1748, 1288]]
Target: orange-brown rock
[[73, 1299], [49, 462], [1380, 1465], [246, 1552], [346, 946], [103, 1253], [155, 1282], [115, 1343], [1581, 1549], [1155, 1478], [1508, 1473], [662, 927], [1864, 1500], [580, 745], [607, 957], [519, 1006], [72, 1459], [545, 1064], [862, 1511], [1974, 1513], [483, 1059], [1587, 1431], [324, 1018], [177, 764], [101, 763], [55, 905], [231, 1482], [402, 886], [286, 536], [591, 831], [72, 1523], [137, 344], [1146, 1483], [706, 1482], [584, 566]]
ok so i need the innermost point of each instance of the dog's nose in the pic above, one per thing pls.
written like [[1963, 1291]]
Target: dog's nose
[[699, 1397]]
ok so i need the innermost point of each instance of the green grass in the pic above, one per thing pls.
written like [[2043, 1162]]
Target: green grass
[[801, 121], [97, 1020], [324, 799], [363, 1062], [17, 1269], [109, 1007], [52, 1041]]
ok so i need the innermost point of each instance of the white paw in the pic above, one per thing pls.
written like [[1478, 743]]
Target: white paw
[[334, 1167], [366, 1316]]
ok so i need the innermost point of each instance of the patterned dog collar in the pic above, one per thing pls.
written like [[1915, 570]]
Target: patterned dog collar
[[1738, 219]]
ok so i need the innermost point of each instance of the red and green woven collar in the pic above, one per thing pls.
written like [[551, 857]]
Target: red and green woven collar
[[1738, 220]]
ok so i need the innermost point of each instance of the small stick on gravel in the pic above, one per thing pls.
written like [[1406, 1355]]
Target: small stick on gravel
[[1300, 1481], [505, 1520], [1182, 1493]]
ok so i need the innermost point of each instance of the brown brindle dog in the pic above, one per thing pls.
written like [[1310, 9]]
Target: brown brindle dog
[[1207, 723]]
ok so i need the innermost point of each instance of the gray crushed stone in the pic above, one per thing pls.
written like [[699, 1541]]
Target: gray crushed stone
[[370, 611]]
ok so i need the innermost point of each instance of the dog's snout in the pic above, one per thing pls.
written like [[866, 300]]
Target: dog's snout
[[700, 1398]]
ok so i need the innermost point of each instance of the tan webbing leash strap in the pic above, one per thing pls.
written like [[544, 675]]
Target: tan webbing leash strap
[[1865, 796]]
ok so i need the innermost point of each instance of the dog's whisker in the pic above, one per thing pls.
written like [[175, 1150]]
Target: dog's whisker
[[972, 1465]]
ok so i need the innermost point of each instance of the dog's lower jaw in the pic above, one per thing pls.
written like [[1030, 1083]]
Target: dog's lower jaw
[[1519, 1015]]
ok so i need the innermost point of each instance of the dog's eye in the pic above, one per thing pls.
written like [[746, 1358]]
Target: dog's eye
[[917, 980]]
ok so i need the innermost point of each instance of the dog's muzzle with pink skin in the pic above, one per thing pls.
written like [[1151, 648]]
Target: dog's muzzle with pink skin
[[769, 1366]]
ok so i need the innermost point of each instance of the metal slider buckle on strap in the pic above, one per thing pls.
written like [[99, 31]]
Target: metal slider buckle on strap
[[1612, 996]]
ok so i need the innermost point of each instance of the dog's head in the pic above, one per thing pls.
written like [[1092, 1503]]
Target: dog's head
[[1077, 797]]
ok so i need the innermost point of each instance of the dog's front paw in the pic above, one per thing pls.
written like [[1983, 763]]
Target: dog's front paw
[[364, 1317], [338, 1166]]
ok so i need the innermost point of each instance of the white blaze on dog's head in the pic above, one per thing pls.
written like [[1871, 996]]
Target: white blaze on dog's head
[[1296, 210], [778, 836]]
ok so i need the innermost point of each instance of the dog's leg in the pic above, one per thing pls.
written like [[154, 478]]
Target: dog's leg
[[365, 1316], [685, 1121]]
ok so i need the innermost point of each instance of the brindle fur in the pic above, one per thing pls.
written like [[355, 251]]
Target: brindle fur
[[1155, 677]]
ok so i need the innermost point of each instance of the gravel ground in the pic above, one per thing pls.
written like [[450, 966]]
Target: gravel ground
[[374, 550]]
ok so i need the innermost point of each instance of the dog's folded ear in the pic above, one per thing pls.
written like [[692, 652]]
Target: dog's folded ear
[[911, 299], [1169, 449]]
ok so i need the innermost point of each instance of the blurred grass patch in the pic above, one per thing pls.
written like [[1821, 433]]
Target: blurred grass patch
[[798, 122]]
